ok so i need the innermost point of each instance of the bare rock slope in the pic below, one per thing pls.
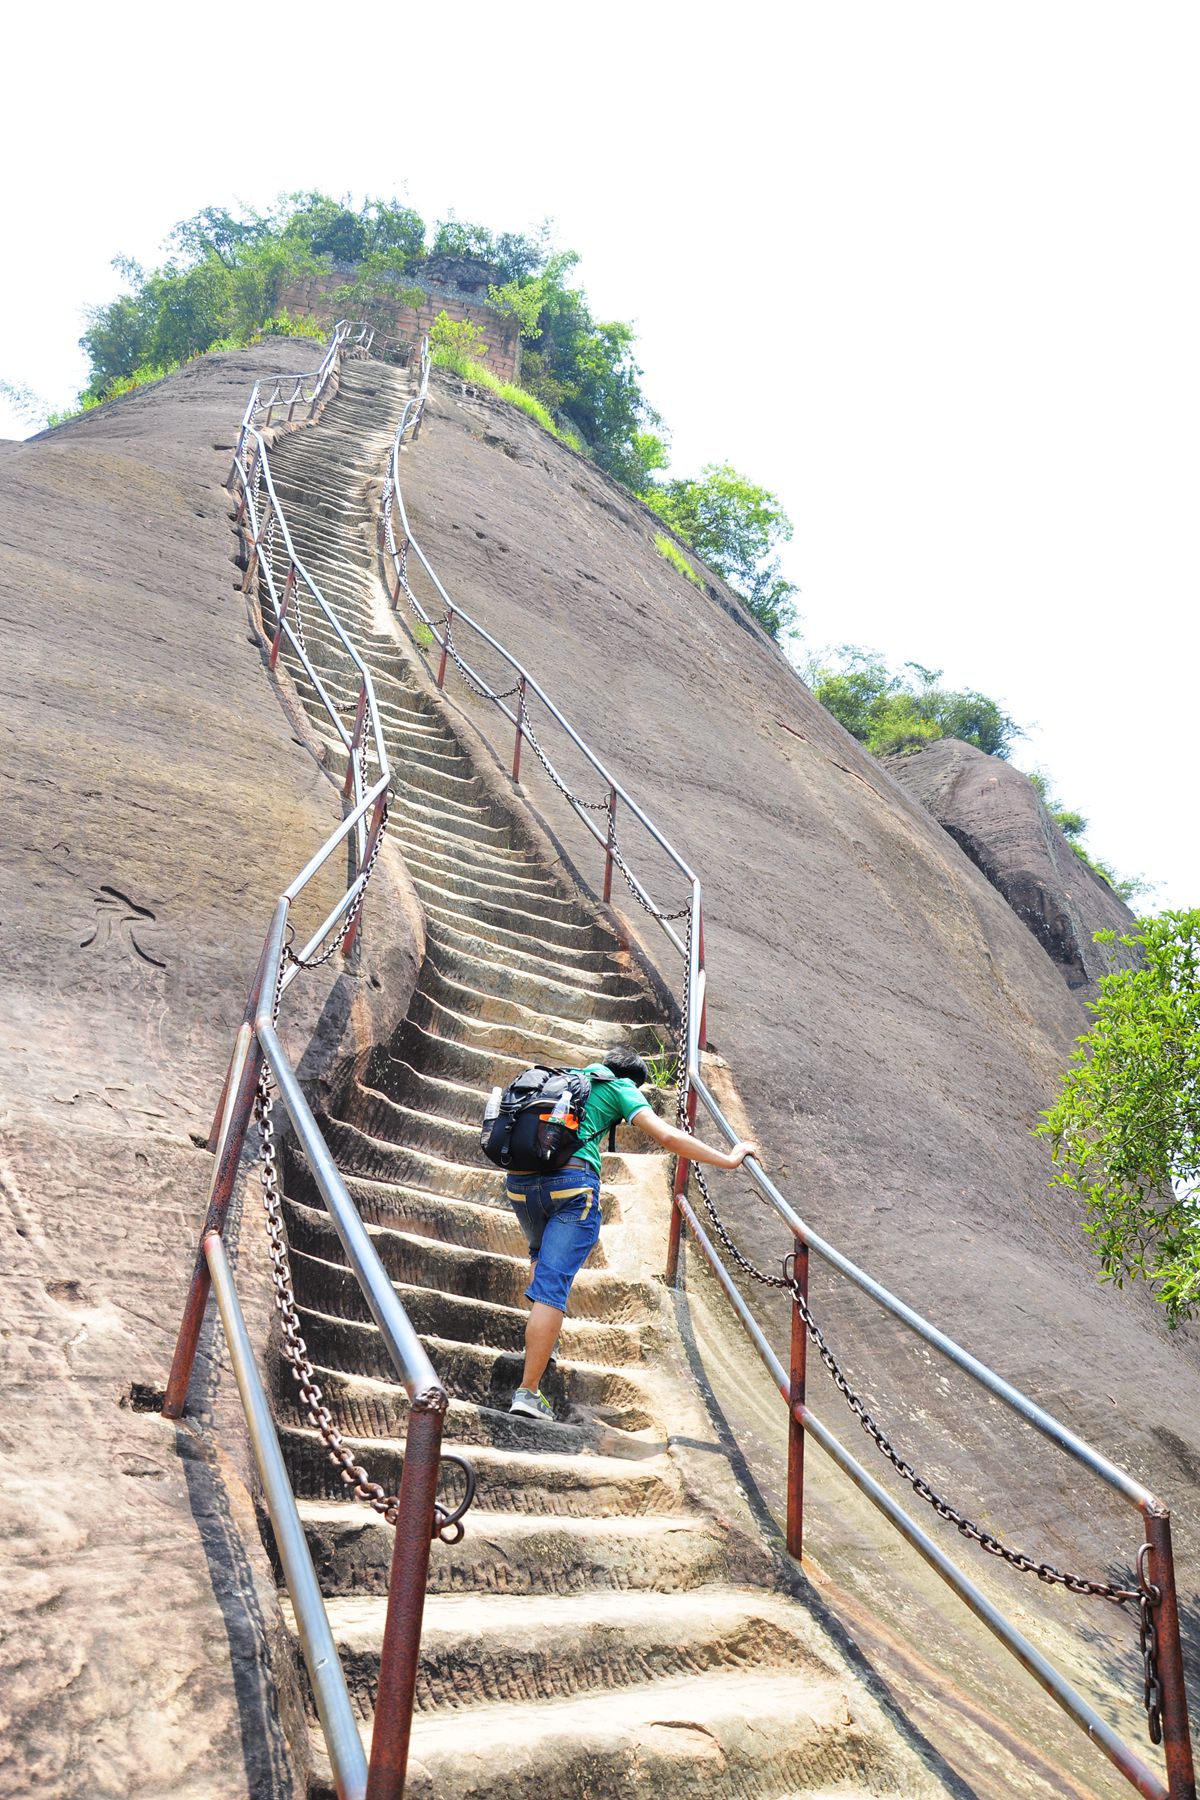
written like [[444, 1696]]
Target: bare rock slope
[[1000, 820], [155, 800], [893, 1027]]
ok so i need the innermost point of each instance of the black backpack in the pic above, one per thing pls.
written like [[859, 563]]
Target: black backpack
[[531, 1127]]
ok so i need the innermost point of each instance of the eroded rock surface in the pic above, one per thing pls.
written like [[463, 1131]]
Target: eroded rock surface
[[894, 1030], [155, 802], [998, 817]]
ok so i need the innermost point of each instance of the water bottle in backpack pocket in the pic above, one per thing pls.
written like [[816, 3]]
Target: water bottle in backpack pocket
[[532, 1127]]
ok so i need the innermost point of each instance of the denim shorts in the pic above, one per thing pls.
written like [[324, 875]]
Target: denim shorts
[[560, 1216]]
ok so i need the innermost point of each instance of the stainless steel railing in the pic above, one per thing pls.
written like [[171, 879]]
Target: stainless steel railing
[[442, 629], [276, 575]]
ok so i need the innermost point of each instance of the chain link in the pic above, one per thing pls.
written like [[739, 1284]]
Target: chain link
[[476, 687], [352, 911], [447, 1521], [1077, 1584], [1145, 1596], [1149, 1597]]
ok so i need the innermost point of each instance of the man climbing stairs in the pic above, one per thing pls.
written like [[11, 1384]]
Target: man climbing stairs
[[613, 1622]]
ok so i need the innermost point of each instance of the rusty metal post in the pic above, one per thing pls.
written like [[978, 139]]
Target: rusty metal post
[[229, 1154], [406, 1598], [356, 737], [682, 1171], [516, 768], [612, 833], [796, 1395], [376, 826], [1177, 1739], [446, 628]]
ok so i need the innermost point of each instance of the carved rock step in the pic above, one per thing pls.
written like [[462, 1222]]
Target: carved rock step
[[575, 1487], [448, 912], [379, 1116], [531, 1004], [455, 1270], [329, 1297], [752, 1737], [576, 1390], [514, 888], [472, 973], [397, 1208], [359, 1153], [525, 1553], [442, 1058], [365, 1408], [344, 1342], [480, 1649], [590, 971]]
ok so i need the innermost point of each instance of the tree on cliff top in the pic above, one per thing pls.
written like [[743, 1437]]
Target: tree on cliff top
[[889, 712], [227, 273], [734, 525], [1125, 1130]]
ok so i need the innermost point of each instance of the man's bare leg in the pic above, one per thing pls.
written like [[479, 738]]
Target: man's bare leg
[[541, 1334]]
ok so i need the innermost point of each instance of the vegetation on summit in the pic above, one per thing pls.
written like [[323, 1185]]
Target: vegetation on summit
[[888, 712], [891, 712], [222, 285], [1125, 1130]]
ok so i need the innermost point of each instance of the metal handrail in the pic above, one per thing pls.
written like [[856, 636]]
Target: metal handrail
[[306, 389], [258, 1049], [395, 550]]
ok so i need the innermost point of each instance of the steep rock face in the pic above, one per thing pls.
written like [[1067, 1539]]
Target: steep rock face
[[156, 799], [893, 1027], [998, 817]]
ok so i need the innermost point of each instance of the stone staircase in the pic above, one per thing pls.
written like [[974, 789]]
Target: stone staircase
[[613, 1622]]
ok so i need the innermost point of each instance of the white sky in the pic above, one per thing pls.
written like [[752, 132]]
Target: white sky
[[929, 271]]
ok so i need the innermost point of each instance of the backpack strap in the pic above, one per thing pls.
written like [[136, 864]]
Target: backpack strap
[[595, 1076]]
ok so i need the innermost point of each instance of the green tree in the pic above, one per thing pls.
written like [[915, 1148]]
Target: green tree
[[1073, 826], [890, 711], [325, 227], [734, 525], [1124, 1132], [456, 342], [388, 226]]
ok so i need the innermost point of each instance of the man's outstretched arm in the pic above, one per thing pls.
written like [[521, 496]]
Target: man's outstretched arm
[[682, 1143]]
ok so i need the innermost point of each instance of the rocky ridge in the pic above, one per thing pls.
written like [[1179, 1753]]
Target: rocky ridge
[[996, 814]]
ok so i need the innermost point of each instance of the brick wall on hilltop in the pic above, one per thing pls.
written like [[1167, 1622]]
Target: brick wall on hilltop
[[310, 298]]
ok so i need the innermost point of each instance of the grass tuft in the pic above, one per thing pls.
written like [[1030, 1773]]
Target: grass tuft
[[667, 547], [479, 375]]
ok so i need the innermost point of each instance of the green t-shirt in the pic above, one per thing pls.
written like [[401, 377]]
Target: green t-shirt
[[608, 1103]]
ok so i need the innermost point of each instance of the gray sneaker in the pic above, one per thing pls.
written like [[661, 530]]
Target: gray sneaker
[[533, 1406]]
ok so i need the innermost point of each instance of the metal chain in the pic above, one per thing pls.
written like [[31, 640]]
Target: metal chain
[[447, 1521], [1077, 1584], [1148, 1598], [484, 693], [352, 911], [787, 1282]]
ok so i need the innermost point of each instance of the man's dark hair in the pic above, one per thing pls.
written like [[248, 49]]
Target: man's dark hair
[[622, 1059]]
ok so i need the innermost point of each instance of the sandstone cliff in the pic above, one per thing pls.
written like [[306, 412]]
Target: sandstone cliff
[[998, 817], [893, 1029], [156, 798]]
